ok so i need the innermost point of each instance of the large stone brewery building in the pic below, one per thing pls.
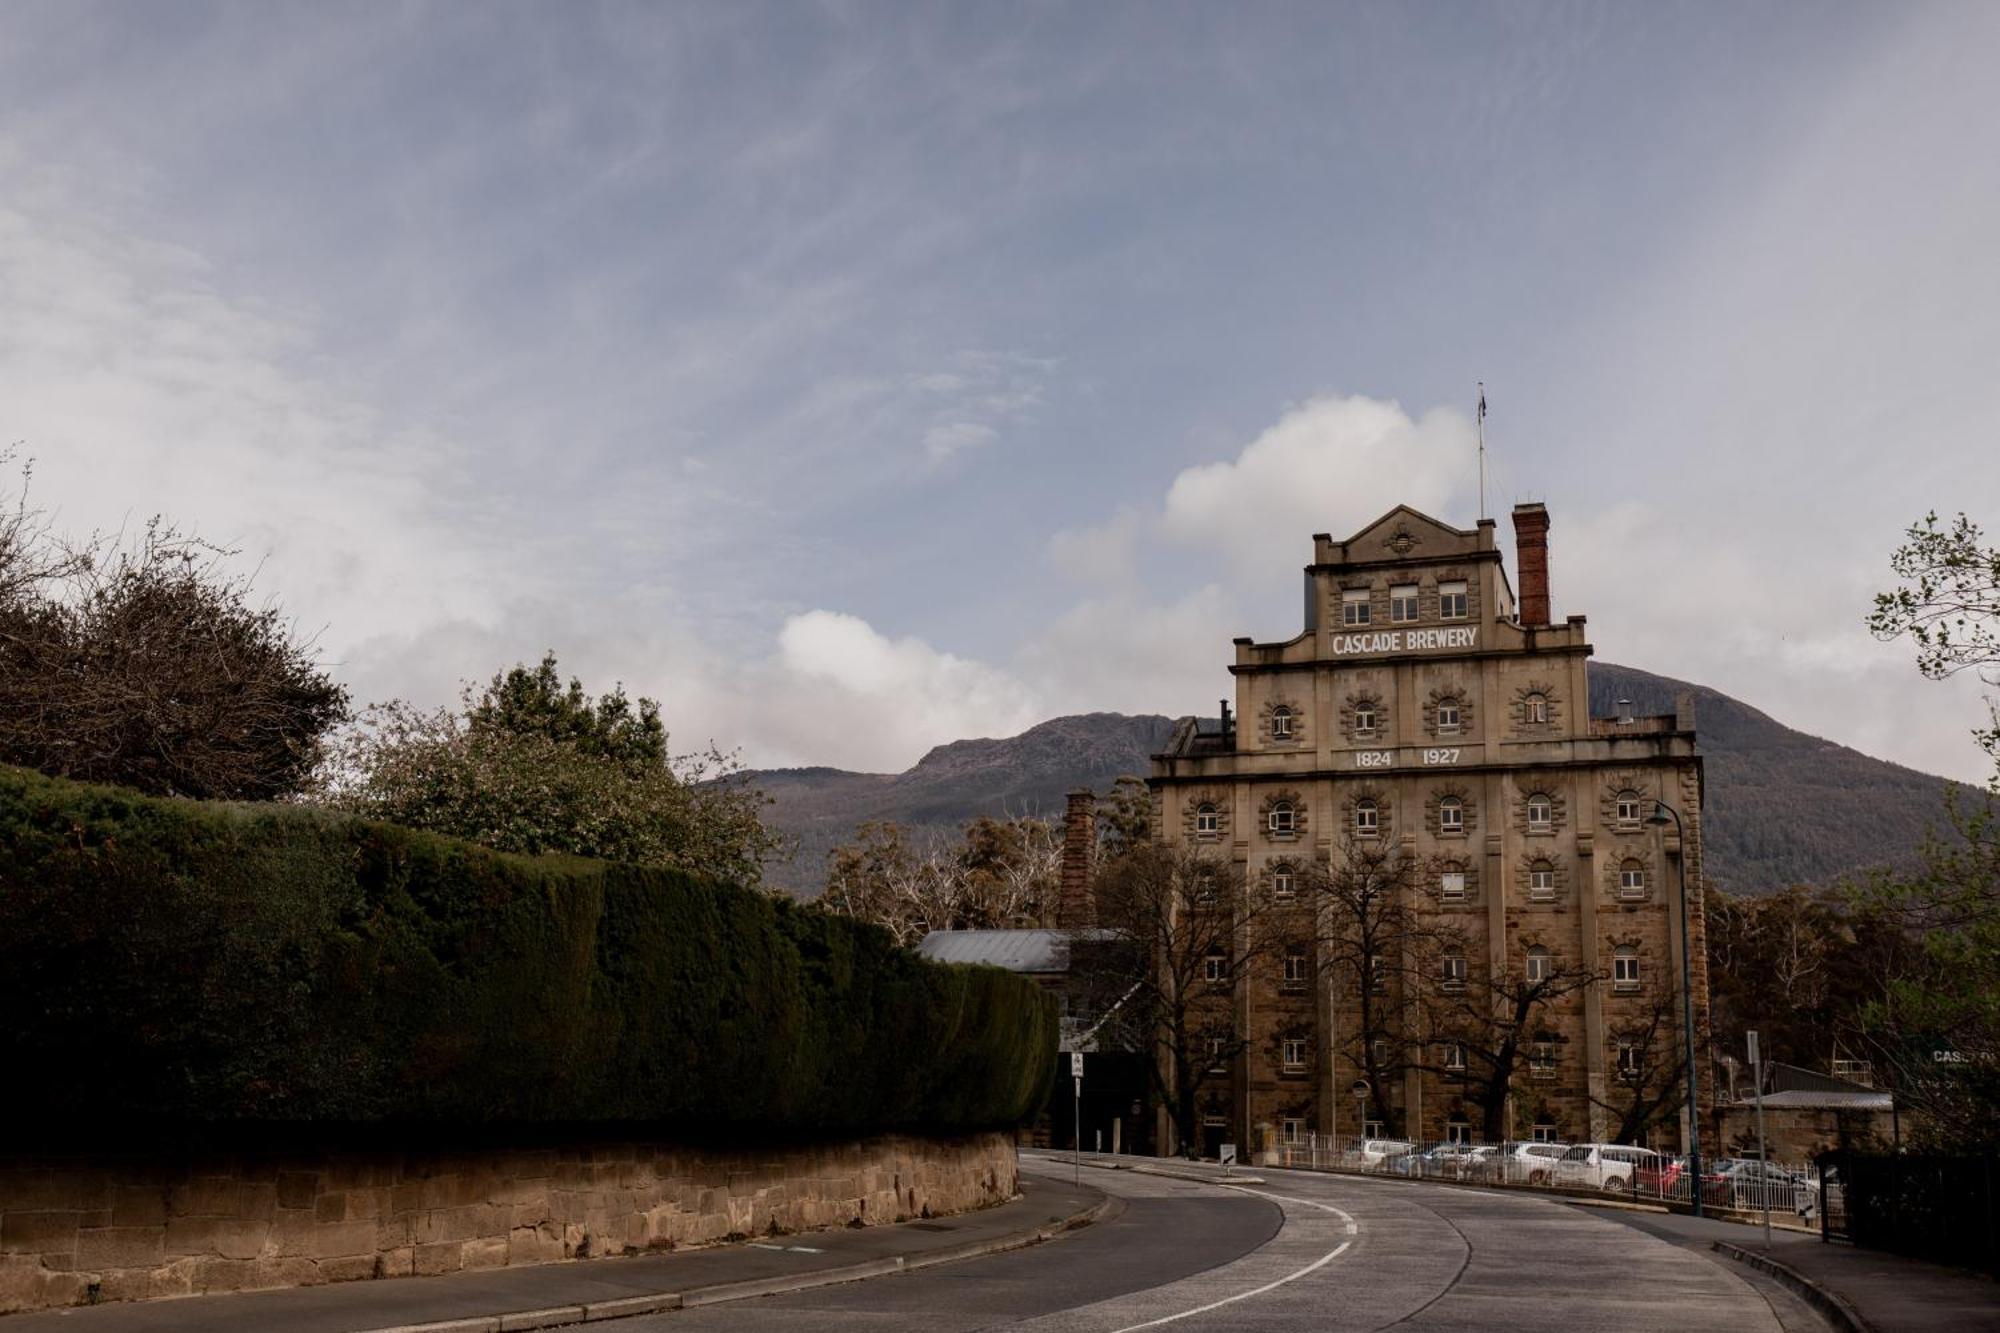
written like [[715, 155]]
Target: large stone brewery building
[[1426, 711]]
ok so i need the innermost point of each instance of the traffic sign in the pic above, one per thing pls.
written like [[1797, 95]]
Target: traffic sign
[[1076, 1064]]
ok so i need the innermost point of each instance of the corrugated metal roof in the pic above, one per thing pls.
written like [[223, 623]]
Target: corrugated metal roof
[[1015, 950], [1810, 1099]]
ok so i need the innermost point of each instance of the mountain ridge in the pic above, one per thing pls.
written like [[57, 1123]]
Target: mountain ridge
[[1781, 806]]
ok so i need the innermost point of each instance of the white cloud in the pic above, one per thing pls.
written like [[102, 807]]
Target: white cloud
[[1329, 464]]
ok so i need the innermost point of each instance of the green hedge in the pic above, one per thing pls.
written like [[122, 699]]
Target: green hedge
[[193, 962]]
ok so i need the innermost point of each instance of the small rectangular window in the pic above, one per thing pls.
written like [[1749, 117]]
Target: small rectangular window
[[1631, 882], [1541, 885], [1628, 809], [1447, 716], [1628, 1059], [1403, 603], [1544, 1133], [1297, 971], [1453, 972], [1295, 1132], [1354, 606], [1625, 972], [1294, 1054], [1451, 817], [1451, 886], [1454, 1055], [1283, 886], [1218, 1060], [1214, 967], [1451, 601]]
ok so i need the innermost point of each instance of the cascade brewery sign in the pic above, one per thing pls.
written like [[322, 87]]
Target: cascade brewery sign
[[1407, 640]]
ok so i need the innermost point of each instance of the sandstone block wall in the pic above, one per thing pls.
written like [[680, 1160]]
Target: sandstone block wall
[[78, 1229]]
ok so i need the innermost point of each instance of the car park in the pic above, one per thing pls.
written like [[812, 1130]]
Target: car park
[[1373, 1153]]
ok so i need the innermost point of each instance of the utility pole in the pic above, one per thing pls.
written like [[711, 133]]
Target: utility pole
[[1763, 1158]]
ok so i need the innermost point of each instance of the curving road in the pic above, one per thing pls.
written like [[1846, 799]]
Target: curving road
[[1301, 1252]]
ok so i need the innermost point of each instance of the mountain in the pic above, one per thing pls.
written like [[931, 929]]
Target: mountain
[[1782, 807]]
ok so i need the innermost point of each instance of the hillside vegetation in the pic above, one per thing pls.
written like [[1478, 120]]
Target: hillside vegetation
[[1782, 807]]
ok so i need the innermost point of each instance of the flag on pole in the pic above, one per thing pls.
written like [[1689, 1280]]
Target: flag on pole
[[1482, 402]]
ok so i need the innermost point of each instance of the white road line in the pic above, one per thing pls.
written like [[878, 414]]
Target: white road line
[[1352, 1228]]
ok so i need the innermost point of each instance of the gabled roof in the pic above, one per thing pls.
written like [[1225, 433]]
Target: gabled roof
[[1413, 519]]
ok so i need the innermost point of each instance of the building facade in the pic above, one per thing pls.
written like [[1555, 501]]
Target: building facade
[[1430, 719]]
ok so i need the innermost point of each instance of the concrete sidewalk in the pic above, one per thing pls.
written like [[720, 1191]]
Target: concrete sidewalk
[[1886, 1293], [579, 1291]]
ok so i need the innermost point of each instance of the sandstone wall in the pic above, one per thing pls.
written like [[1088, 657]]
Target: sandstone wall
[[79, 1229]]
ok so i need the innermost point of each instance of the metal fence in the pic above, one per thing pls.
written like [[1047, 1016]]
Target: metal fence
[[1745, 1186], [1930, 1207]]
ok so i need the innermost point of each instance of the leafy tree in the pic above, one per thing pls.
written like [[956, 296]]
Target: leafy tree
[[533, 765], [1937, 1024], [147, 665]]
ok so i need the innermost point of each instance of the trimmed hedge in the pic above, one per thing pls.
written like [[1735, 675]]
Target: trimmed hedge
[[200, 963]]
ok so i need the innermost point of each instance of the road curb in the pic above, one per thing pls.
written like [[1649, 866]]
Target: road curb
[[563, 1316], [1838, 1312], [1177, 1175]]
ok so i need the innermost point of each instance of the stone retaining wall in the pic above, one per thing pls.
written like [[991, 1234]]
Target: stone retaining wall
[[76, 1229]]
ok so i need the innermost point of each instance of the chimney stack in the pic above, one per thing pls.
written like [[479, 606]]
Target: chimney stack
[[1531, 556], [1075, 910]]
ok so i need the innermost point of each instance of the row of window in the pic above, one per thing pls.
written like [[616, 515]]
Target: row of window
[[1448, 717], [1538, 965], [1452, 883], [1357, 607], [1282, 818], [1628, 1055]]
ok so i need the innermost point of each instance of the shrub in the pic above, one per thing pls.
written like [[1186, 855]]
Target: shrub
[[201, 963]]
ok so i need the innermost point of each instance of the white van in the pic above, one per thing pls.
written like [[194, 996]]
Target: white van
[[1604, 1166], [1373, 1153]]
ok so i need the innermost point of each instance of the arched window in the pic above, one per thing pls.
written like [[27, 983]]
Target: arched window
[[1284, 882], [1207, 820], [1364, 718], [1542, 1055], [1451, 815], [1282, 820], [1540, 966], [1627, 809], [1281, 723], [1631, 879], [1535, 709], [1541, 813], [1447, 716], [1367, 819], [1452, 972], [1625, 969], [1541, 882], [1451, 883]]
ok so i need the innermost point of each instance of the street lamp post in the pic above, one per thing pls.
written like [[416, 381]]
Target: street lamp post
[[1662, 813]]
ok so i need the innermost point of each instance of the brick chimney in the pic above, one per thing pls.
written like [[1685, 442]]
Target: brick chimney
[[1531, 558], [1074, 909]]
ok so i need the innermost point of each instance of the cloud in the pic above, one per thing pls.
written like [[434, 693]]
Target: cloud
[[1329, 464], [952, 437]]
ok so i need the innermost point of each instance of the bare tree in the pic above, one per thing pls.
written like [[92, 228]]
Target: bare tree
[[147, 664], [1370, 933], [1002, 875], [1478, 1023], [1191, 937], [1646, 1076]]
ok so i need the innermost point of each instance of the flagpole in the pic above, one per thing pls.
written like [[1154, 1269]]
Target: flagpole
[[1482, 450]]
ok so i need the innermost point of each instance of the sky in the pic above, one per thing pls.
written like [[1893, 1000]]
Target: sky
[[854, 378]]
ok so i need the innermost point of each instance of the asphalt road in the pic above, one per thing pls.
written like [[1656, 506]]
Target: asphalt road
[[1298, 1252]]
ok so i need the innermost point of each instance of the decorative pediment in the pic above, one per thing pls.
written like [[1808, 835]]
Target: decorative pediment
[[1405, 531]]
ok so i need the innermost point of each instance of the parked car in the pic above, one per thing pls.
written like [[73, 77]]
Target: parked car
[[1445, 1161], [1518, 1163], [1373, 1153], [1745, 1182], [1604, 1166]]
